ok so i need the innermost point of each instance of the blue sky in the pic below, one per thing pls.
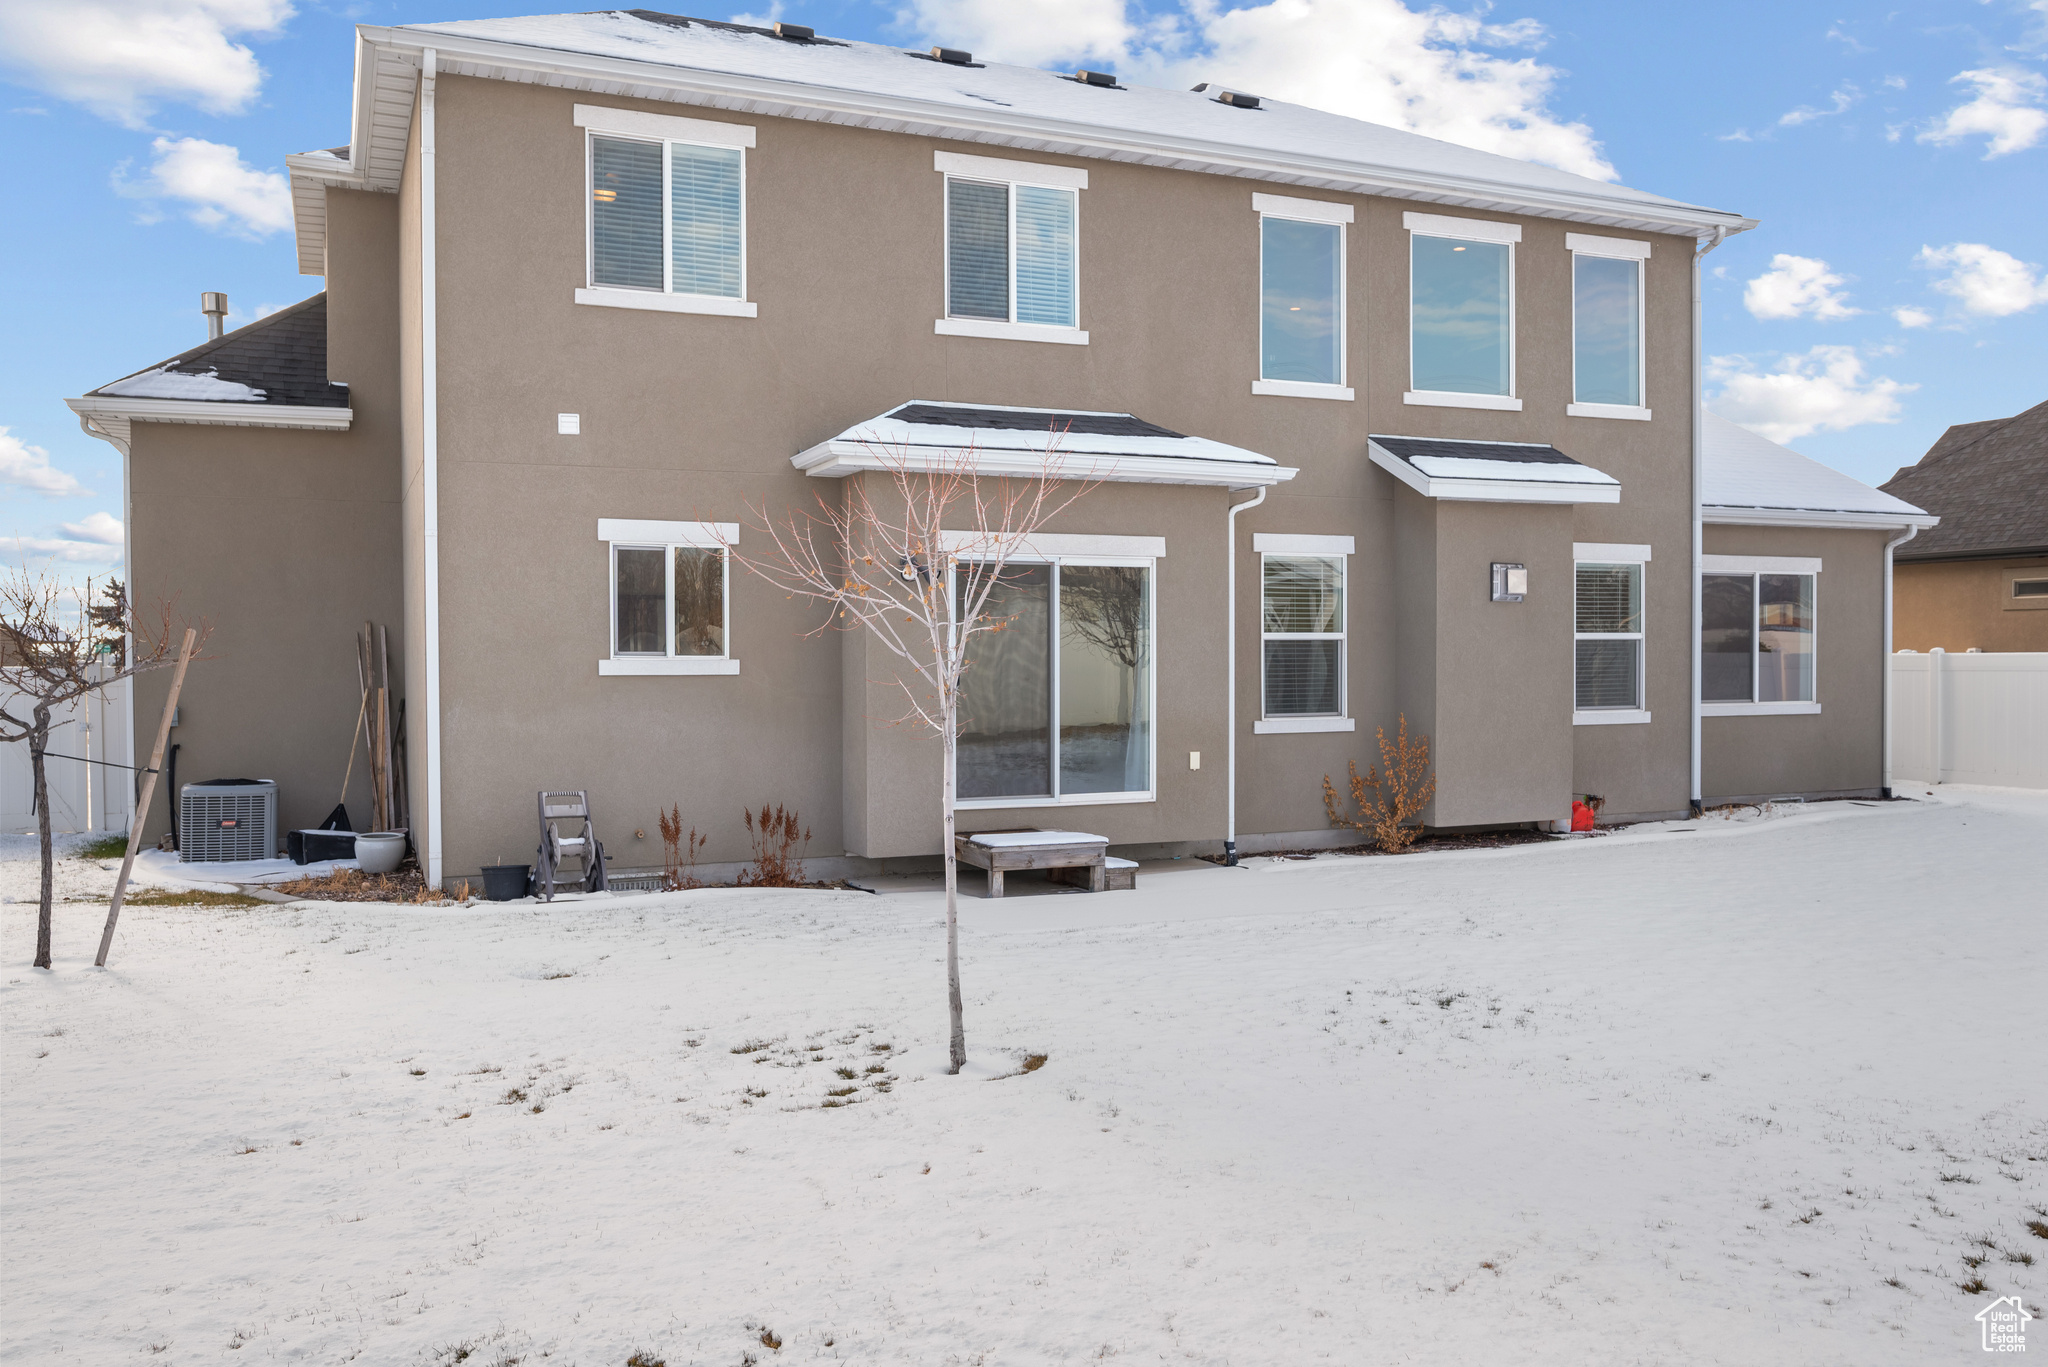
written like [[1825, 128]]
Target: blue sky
[[1897, 157]]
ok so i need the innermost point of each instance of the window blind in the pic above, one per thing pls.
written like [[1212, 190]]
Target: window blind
[[1610, 598], [625, 214], [1302, 678], [1303, 619], [977, 250], [704, 210], [1608, 621], [1045, 256], [1607, 673]]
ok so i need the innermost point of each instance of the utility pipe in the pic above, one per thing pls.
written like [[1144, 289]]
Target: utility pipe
[[1901, 539], [1699, 401], [430, 461], [1230, 742]]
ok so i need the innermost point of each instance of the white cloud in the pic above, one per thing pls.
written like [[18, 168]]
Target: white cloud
[[219, 189], [119, 58], [1806, 113], [100, 528], [1428, 72], [62, 550], [1987, 282], [1798, 287], [1824, 390], [28, 467], [2006, 111], [1910, 317]]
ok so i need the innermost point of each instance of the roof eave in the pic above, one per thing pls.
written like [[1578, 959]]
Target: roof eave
[[1729, 515], [110, 418], [838, 458]]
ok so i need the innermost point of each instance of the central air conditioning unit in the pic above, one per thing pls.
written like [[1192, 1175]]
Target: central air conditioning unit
[[227, 819]]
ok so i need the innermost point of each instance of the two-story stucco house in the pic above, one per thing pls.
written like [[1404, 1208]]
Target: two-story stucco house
[[596, 284]]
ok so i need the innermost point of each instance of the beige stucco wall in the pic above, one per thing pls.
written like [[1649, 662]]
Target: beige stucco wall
[[1840, 749], [1968, 604], [690, 416], [285, 542]]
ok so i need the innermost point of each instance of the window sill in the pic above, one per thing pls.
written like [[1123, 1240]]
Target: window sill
[[1302, 389], [1072, 800], [1606, 410], [1438, 398], [1009, 332], [1759, 709], [1280, 726], [668, 303], [657, 664], [1612, 716]]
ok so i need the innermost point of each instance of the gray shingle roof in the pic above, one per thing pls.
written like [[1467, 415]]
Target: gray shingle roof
[[1988, 482], [279, 360]]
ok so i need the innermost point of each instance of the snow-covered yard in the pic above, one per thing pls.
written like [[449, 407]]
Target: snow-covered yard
[[1747, 1092]]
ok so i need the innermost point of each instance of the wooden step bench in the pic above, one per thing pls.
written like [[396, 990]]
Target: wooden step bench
[[1080, 858]]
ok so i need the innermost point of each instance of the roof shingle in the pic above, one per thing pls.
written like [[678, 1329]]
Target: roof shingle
[[279, 360], [1988, 482]]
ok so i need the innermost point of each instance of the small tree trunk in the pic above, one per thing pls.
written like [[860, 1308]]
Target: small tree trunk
[[951, 729], [37, 744]]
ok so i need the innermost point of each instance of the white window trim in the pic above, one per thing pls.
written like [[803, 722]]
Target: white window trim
[[1754, 565], [1615, 248], [1444, 398], [1470, 230], [643, 534], [663, 129], [1081, 555], [1613, 716], [997, 170], [1308, 211], [1327, 547]]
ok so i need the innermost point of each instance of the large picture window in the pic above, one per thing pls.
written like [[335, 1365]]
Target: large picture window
[[1057, 706], [667, 217], [1010, 252], [1608, 638], [670, 599], [1756, 635]]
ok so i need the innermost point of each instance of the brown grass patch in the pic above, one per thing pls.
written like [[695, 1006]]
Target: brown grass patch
[[407, 885]]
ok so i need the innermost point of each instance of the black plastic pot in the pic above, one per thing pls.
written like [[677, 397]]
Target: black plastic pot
[[503, 882]]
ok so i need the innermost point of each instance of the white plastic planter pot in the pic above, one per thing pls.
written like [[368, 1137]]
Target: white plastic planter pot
[[380, 852]]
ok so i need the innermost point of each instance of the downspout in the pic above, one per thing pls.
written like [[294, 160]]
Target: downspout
[[1230, 742], [1699, 401], [1901, 539], [430, 471]]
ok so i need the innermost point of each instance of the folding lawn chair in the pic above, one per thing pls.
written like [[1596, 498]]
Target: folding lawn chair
[[558, 845]]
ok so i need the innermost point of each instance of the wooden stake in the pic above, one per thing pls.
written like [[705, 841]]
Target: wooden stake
[[156, 759], [378, 815], [384, 727]]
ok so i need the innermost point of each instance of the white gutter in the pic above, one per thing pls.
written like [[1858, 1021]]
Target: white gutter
[[837, 459], [1699, 423], [1901, 539], [430, 461], [1230, 741], [1727, 515]]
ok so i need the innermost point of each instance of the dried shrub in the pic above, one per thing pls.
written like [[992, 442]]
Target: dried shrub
[[679, 852], [353, 885], [1401, 787], [779, 838]]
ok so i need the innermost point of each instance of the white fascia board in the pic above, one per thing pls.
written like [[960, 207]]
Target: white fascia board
[[1468, 229], [706, 534], [213, 414], [1306, 210], [1020, 172], [634, 123], [838, 459], [495, 60], [1288, 543], [1492, 490], [1760, 564], [1607, 246], [1722, 516], [1057, 545], [1610, 552]]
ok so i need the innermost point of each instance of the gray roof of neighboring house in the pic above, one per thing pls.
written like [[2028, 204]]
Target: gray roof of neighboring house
[[279, 360], [1989, 483], [1741, 470]]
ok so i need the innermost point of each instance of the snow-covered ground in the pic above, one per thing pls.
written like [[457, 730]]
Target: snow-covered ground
[[1741, 1092]]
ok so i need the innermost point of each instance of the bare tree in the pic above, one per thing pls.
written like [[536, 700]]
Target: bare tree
[[56, 647], [915, 568]]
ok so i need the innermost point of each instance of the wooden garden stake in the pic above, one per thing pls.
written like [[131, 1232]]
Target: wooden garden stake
[[156, 759]]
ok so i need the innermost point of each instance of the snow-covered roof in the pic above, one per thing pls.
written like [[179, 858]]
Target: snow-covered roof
[[1026, 442], [1747, 478], [1491, 471], [646, 55]]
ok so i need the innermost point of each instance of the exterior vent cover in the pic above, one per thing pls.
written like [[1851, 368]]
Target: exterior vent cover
[[227, 820]]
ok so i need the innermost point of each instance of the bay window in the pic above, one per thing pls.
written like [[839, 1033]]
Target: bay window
[[1607, 327], [1461, 348], [1757, 634]]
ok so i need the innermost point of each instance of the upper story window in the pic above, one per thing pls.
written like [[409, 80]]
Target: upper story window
[[1301, 297], [1607, 327], [1461, 334], [1607, 630], [667, 212], [1757, 634], [670, 597], [1012, 249]]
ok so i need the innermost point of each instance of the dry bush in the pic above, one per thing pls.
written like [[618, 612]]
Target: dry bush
[[353, 885], [779, 839], [1401, 787], [679, 853]]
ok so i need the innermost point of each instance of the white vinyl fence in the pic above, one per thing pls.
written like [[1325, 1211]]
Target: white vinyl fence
[[1970, 718], [111, 790]]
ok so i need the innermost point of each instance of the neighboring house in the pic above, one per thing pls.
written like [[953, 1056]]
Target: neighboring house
[[597, 284], [1980, 580]]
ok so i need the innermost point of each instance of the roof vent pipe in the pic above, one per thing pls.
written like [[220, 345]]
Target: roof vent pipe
[[953, 56], [797, 31], [1102, 78], [214, 305], [1238, 99]]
